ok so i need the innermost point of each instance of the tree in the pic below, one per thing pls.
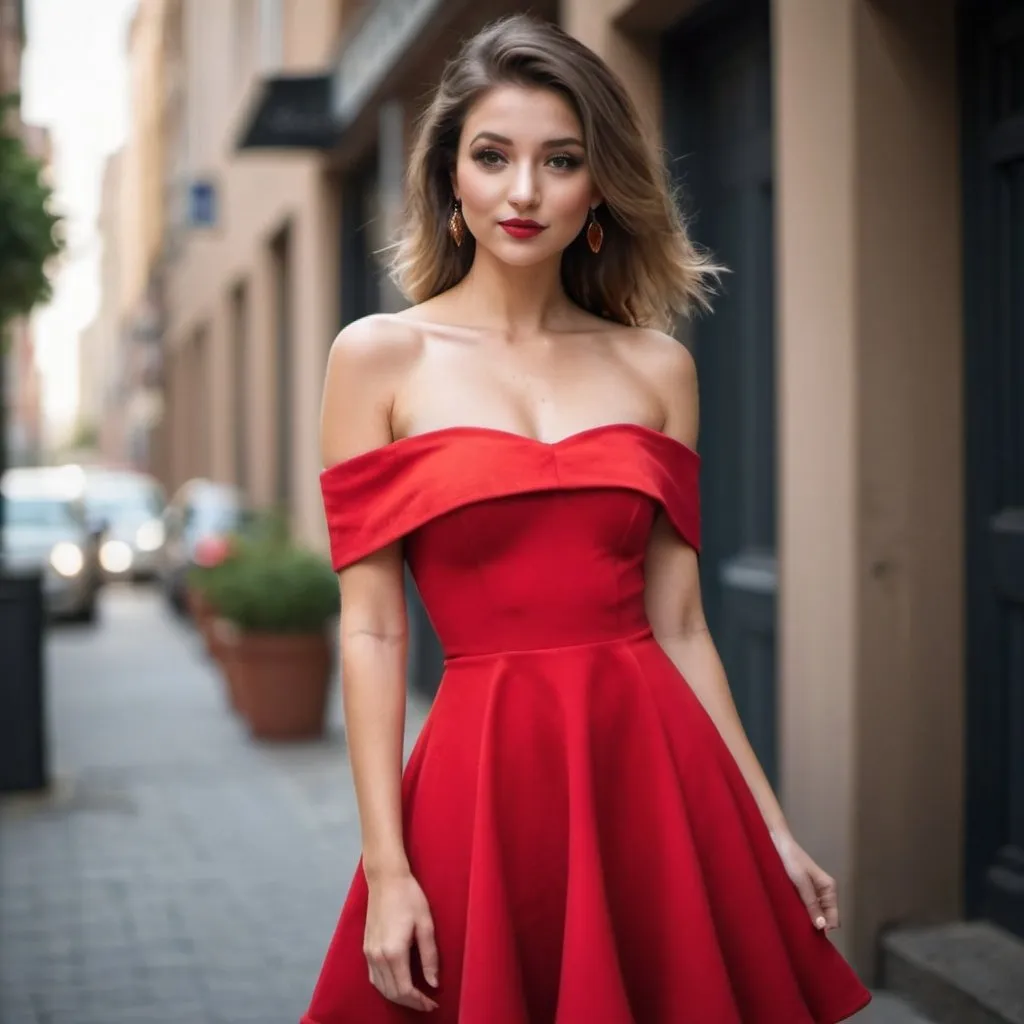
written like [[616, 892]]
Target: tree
[[29, 240]]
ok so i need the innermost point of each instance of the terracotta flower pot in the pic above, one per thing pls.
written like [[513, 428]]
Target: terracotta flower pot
[[203, 615], [195, 601], [283, 682], [225, 640]]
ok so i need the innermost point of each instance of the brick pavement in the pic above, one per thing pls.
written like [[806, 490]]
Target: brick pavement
[[179, 872]]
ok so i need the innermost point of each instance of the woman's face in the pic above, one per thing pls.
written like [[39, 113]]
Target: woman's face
[[521, 174]]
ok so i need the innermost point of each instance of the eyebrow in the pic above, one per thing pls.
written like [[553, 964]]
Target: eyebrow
[[569, 140]]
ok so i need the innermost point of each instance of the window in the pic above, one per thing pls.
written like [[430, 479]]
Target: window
[[41, 512]]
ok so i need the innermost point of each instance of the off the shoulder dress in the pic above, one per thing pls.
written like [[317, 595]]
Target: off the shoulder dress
[[589, 849]]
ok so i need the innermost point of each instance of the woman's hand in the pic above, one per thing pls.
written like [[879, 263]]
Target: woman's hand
[[816, 888], [397, 915]]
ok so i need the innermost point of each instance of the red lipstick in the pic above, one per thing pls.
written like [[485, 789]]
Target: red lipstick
[[519, 228]]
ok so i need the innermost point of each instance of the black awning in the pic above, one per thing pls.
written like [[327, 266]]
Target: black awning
[[290, 112]]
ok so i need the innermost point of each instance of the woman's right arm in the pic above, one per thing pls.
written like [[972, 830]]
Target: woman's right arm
[[363, 371]]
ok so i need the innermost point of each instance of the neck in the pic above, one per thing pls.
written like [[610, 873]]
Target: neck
[[515, 301]]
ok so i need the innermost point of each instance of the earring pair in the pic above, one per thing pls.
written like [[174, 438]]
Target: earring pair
[[457, 228]]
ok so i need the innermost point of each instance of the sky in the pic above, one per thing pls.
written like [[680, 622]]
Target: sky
[[75, 81]]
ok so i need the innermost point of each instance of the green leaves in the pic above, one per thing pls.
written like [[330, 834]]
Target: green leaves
[[264, 583], [29, 237], [270, 589]]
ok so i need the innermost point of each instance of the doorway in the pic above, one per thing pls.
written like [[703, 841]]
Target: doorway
[[992, 77], [716, 70]]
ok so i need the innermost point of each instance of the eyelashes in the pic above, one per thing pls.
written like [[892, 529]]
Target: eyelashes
[[494, 159], [488, 158], [569, 162]]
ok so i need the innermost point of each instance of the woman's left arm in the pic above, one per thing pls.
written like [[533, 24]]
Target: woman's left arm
[[676, 615]]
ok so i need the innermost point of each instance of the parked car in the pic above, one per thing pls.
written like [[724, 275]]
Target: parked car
[[199, 512], [131, 505], [47, 530]]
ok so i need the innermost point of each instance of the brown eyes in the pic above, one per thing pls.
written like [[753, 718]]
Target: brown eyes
[[565, 162], [493, 158], [488, 157]]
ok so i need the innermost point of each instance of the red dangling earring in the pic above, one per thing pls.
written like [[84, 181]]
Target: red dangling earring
[[595, 233], [457, 224]]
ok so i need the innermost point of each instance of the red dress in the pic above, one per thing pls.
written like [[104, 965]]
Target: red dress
[[589, 849]]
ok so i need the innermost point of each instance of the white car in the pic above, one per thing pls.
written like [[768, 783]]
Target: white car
[[46, 530], [130, 506]]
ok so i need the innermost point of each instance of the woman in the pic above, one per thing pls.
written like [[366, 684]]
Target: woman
[[583, 834]]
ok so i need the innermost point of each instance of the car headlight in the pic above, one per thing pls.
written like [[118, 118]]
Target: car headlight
[[115, 556], [150, 535], [67, 558]]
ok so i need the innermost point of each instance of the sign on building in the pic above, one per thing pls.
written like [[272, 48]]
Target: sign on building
[[202, 204]]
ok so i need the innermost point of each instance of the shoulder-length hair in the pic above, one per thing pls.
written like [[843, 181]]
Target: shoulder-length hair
[[648, 269]]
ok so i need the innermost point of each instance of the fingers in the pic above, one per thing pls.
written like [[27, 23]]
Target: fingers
[[380, 975], [427, 945], [406, 994], [809, 894], [828, 898], [391, 976]]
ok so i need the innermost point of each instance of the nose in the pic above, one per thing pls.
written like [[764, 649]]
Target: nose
[[524, 187]]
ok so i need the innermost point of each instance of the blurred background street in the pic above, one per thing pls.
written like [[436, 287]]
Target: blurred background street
[[176, 871]]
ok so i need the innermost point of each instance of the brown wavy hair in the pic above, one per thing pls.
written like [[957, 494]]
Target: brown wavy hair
[[648, 269]]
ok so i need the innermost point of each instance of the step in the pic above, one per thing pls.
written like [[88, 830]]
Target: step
[[967, 972], [885, 1008]]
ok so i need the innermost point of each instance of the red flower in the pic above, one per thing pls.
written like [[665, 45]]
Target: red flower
[[211, 551]]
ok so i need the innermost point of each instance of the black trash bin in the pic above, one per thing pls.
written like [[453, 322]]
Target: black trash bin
[[23, 747]]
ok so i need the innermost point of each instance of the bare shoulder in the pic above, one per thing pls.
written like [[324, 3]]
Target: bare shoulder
[[379, 343], [662, 356], [367, 364], [668, 368]]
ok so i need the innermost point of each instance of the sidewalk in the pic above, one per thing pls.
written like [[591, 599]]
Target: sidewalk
[[179, 871]]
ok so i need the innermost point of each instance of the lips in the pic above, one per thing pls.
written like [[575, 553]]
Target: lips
[[518, 228]]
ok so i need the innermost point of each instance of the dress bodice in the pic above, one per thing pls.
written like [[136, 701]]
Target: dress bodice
[[514, 543]]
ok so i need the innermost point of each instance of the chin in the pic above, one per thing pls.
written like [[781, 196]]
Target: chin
[[526, 254]]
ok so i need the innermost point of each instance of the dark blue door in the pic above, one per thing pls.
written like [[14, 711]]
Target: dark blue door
[[718, 126], [992, 80]]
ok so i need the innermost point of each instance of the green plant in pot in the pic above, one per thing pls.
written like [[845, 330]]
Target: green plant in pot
[[214, 556], [204, 584], [280, 599]]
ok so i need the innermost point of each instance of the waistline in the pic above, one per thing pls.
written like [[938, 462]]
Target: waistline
[[639, 636]]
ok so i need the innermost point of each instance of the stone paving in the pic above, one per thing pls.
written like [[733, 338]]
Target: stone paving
[[178, 872]]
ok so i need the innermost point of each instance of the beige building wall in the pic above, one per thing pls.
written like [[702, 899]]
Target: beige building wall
[[133, 368], [871, 484], [142, 173], [259, 196], [99, 345], [90, 380]]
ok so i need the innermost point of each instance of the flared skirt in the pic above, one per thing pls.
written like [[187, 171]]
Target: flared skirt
[[591, 854]]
